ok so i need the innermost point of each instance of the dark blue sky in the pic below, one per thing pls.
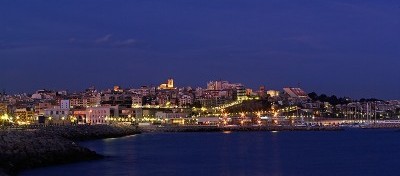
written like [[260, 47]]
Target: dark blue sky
[[343, 47]]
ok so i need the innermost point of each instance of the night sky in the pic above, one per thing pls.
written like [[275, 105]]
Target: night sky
[[343, 47]]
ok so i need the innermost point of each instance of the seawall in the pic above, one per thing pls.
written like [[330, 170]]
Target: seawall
[[148, 129]]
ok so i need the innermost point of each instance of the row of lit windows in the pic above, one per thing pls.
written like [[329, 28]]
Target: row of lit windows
[[99, 111], [98, 121], [57, 112]]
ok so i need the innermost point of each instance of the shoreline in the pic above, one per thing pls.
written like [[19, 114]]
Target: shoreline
[[178, 129], [200, 128]]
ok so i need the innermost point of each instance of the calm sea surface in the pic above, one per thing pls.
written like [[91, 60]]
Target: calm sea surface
[[350, 152]]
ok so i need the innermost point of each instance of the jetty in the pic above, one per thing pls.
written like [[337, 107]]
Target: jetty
[[22, 149]]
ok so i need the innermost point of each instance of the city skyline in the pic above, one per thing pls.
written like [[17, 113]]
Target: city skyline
[[332, 47], [170, 85], [203, 86]]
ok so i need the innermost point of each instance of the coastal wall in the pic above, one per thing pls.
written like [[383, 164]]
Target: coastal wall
[[381, 126], [31, 148], [147, 129]]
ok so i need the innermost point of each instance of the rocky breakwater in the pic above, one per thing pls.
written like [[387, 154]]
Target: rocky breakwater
[[89, 132], [31, 148], [21, 150]]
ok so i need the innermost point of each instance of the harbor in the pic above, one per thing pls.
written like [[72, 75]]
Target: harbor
[[28, 147]]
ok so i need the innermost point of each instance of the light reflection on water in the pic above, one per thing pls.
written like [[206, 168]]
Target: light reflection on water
[[354, 152]]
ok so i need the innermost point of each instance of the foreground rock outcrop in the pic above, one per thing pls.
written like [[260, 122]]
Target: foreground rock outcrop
[[31, 148]]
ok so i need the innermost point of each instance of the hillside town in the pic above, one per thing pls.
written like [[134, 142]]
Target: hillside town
[[218, 103]]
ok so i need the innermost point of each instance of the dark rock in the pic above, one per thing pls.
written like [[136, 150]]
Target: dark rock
[[52, 145]]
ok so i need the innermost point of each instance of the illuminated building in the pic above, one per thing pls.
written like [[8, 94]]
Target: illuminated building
[[44, 94], [56, 115], [79, 102], [185, 100], [208, 120], [261, 91], [40, 108], [24, 114], [221, 85], [117, 98], [80, 115], [241, 93], [98, 115], [295, 95], [171, 115], [295, 92], [249, 92], [3, 108], [214, 85], [273, 93], [65, 104], [118, 89], [137, 100], [168, 85]]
